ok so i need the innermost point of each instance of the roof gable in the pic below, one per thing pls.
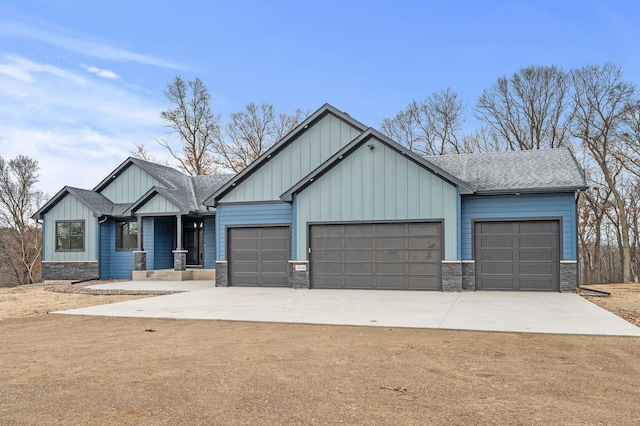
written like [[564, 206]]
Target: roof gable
[[157, 200], [97, 203], [280, 146], [370, 137]]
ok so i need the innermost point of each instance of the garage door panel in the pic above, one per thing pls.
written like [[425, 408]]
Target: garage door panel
[[422, 283], [517, 255], [258, 256], [423, 269], [536, 241], [358, 268], [376, 255], [354, 256], [365, 242], [496, 255], [389, 256], [357, 230], [545, 255], [387, 268], [422, 242], [536, 268], [496, 242], [490, 268], [389, 243], [323, 243], [328, 267]]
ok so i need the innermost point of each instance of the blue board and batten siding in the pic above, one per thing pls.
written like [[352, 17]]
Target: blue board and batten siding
[[129, 186], [70, 208], [295, 161], [250, 215], [528, 206], [113, 264], [378, 185]]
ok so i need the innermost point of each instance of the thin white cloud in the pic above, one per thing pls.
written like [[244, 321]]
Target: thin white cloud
[[108, 74], [15, 72], [77, 127], [23, 69], [81, 45]]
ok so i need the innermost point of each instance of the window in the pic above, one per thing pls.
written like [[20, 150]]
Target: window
[[70, 235], [126, 236]]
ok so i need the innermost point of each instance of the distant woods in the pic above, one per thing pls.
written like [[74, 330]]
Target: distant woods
[[592, 110], [20, 236]]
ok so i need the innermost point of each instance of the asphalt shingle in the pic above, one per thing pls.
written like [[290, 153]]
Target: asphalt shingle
[[525, 171]]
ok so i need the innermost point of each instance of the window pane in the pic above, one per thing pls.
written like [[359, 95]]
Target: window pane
[[62, 243], [77, 243], [77, 228]]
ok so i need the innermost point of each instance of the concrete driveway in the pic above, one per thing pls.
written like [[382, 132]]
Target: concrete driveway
[[558, 313]]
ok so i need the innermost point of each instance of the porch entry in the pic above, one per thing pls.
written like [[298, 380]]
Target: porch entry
[[193, 241]]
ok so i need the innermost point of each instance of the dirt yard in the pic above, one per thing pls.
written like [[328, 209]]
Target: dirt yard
[[57, 369]]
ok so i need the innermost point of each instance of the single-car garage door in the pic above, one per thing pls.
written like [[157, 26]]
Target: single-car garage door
[[258, 256], [389, 256], [517, 255]]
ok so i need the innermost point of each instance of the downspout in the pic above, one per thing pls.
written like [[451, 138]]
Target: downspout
[[576, 219]]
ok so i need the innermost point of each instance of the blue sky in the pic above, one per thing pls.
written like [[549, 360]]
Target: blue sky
[[81, 81]]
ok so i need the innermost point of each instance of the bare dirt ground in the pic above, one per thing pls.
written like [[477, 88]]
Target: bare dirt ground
[[57, 369]]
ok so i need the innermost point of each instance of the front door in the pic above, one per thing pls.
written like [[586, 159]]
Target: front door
[[193, 240]]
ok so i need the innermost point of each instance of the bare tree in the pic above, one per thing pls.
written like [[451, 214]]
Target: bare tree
[[250, 133], [140, 151], [20, 239], [601, 101], [191, 119], [528, 110], [431, 126]]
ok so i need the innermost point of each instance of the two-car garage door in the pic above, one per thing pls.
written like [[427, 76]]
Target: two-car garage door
[[385, 255]]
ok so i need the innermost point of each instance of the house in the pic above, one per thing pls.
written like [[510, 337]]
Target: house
[[334, 204], [101, 233]]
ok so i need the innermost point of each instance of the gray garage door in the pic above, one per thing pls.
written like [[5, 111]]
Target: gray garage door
[[259, 256], [518, 255], [389, 256]]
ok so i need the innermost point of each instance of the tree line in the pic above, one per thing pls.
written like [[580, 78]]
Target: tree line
[[591, 110]]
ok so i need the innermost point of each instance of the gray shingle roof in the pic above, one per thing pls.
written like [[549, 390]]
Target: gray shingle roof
[[517, 171], [96, 202]]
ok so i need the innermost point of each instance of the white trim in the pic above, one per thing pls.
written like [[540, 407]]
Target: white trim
[[570, 262]]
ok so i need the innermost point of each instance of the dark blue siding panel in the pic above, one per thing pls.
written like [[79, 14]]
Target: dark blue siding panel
[[521, 206], [209, 243], [106, 234], [148, 237], [113, 264], [250, 214], [164, 242]]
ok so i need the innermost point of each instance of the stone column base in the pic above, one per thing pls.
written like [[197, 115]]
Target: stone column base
[[299, 273], [451, 275], [222, 279], [179, 260], [568, 276], [468, 274], [140, 260]]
